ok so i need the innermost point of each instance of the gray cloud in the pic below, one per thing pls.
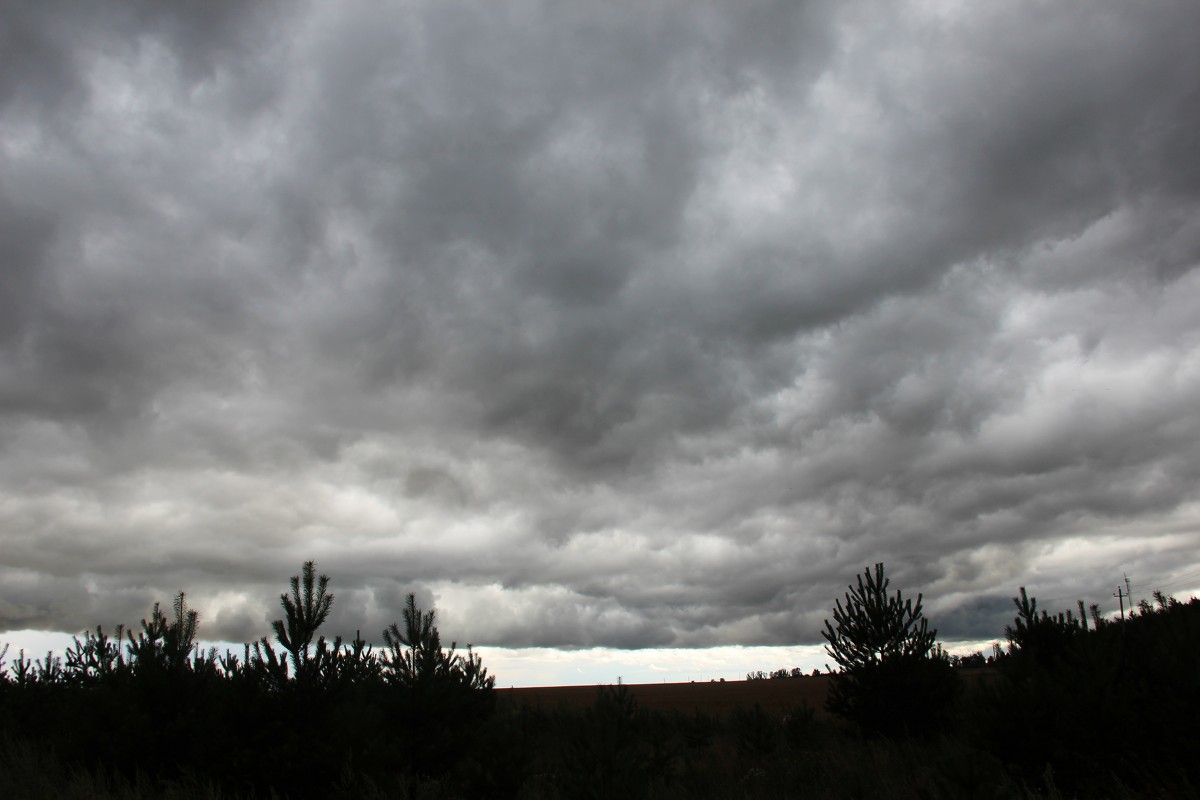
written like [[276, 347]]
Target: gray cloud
[[594, 328]]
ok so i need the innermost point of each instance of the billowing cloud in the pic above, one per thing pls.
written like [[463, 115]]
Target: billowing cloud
[[594, 327]]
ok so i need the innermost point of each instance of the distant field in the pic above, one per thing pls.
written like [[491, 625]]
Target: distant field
[[775, 695]]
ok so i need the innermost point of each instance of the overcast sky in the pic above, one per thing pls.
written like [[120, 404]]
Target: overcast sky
[[642, 325]]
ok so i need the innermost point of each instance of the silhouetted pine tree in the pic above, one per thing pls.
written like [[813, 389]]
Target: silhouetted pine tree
[[304, 613], [888, 683]]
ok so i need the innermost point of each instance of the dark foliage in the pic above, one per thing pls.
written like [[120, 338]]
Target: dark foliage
[[1113, 703], [1073, 709], [891, 680], [288, 721], [304, 613]]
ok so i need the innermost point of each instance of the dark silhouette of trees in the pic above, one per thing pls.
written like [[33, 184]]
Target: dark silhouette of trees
[[874, 627], [304, 612], [161, 645], [414, 657], [888, 682], [1080, 706], [442, 696], [1067, 686], [1044, 637], [283, 718]]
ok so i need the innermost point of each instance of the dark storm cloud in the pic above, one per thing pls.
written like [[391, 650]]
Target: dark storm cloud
[[592, 327]]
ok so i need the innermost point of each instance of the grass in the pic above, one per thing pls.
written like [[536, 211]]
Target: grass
[[30, 772]]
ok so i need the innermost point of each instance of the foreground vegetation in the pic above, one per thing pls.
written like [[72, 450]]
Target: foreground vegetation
[[1071, 710]]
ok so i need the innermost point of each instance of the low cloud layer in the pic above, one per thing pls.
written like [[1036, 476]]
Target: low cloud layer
[[596, 328]]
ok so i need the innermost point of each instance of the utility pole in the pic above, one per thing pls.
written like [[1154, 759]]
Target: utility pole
[[1121, 597]]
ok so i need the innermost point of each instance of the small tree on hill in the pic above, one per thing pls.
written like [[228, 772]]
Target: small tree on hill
[[164, 645], [1041, 638], [304, 612], [441, 696], [873, 627], [888, 682], [414, 656]]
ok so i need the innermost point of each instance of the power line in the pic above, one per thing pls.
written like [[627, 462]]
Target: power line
[[1174, 580], [1189, 579]]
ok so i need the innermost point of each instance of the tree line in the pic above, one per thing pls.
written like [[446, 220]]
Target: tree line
[[284, 716], [1076, 706]]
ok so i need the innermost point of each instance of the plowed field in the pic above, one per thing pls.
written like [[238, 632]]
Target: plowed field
[[775, 695]]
